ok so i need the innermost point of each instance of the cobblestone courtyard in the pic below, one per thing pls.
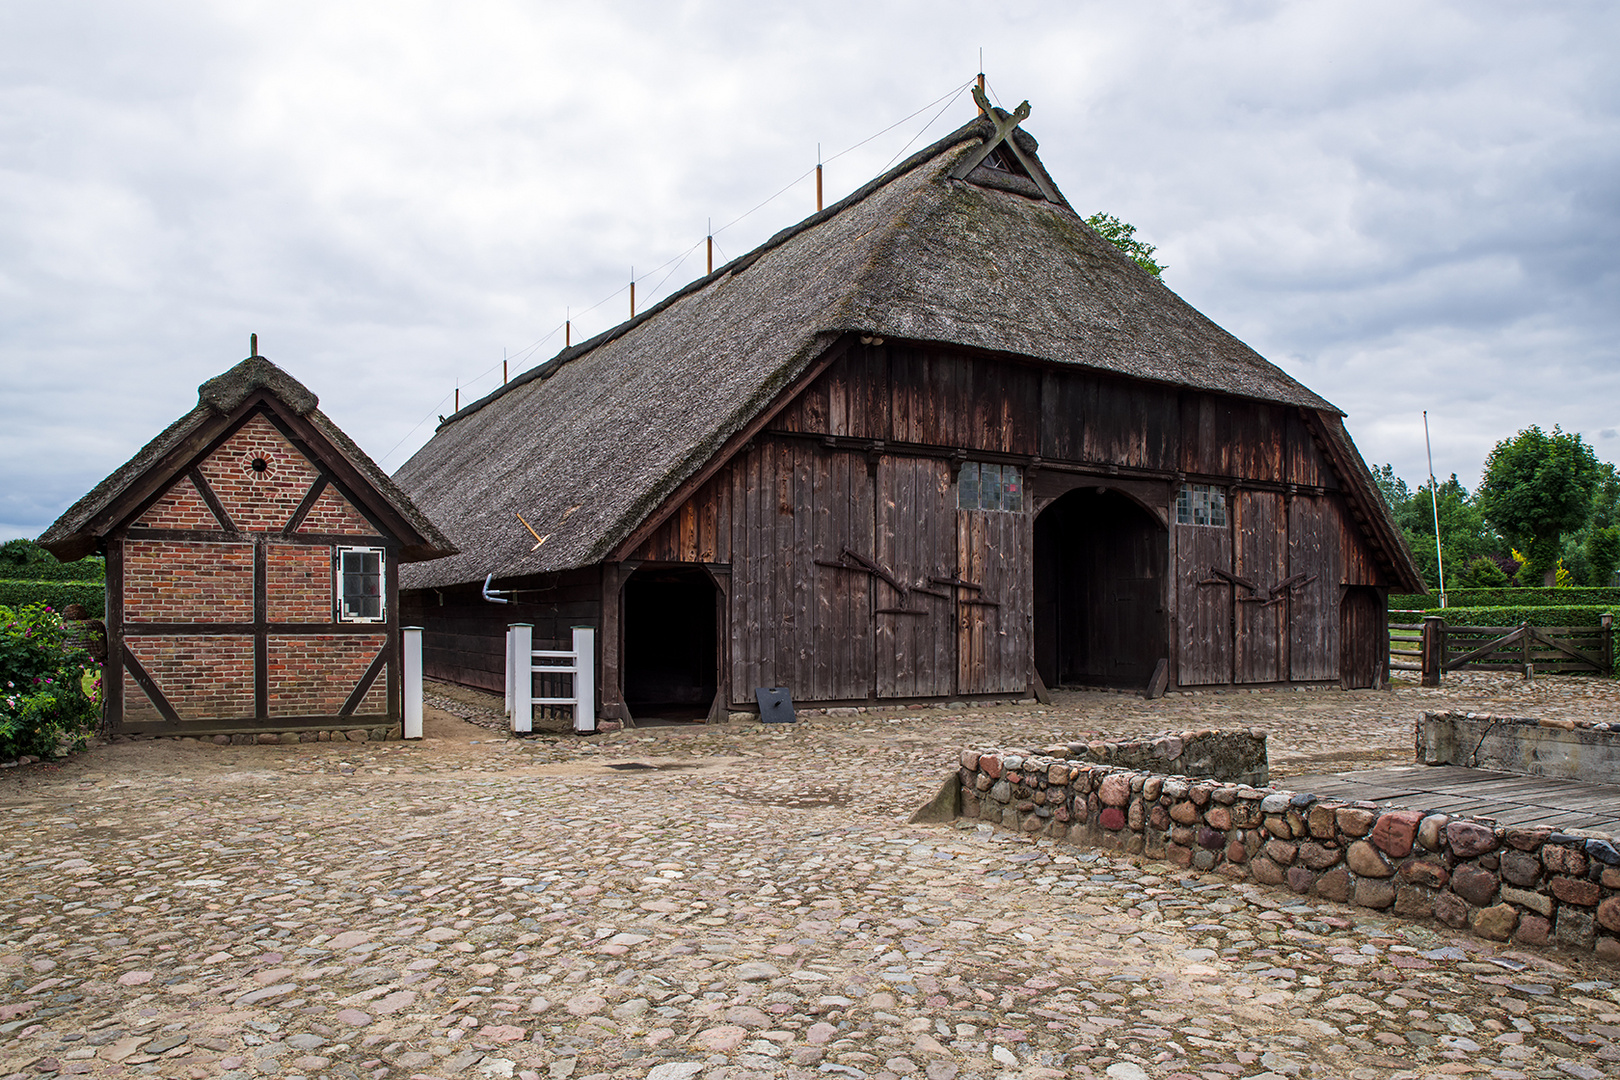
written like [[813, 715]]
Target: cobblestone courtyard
[[740, 901]]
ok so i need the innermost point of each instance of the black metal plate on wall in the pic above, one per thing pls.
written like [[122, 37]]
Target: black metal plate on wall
[[775, 704]]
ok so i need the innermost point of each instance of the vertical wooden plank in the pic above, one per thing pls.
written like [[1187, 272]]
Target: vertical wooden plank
[[1261, 557], [804, 603], [887, 641], [1204, 615], [1313, 549]]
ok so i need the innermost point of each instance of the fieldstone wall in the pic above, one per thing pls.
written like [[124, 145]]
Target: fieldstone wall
[[1238, 757], [1534, 886], [1565, 749]]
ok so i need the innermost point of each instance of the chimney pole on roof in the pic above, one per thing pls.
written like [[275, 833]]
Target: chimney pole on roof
[[711, 245], [568, 329], [632, 292], [253, 344], [458, 399], [981, 87], [818, 178], [503, 367]]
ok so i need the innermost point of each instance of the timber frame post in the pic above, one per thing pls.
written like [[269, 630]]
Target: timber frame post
[[1433, 648]]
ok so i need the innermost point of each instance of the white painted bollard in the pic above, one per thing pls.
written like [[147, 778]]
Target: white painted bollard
[[521, 667], [411, 645], [584, 680], [511, 670]]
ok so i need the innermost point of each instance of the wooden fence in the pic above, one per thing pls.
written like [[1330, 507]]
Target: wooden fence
[[1433, 647]]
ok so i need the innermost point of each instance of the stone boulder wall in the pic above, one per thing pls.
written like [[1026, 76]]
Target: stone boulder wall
[[1238, 757], [1564, 749], [1534, 886]]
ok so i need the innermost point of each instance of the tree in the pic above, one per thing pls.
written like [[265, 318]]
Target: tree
[[1464, 535], [1123, 236], [1394, 488], [1538, 487]]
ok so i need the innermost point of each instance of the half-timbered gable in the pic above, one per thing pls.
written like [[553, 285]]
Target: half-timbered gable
[[938, 440], [252, 568]]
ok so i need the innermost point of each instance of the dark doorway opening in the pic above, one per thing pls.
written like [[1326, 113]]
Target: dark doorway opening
[[670, 643], [1100, 618], [1363, 637]]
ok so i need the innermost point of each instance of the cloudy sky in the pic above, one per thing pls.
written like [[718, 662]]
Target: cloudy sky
[[1406, 205]]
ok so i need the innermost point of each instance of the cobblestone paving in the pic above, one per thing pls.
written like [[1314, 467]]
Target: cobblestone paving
[[742, 901]]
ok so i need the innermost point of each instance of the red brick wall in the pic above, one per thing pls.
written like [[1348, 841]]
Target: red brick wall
[[177, 581], [259, 502], [179, 508], [313, 675], [332, 513], [298, 583], [376, 700], [204, 678]]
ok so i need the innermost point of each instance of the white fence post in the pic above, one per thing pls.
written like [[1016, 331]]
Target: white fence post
[[584, 680], [411, 646], [521, 665], [511, 670]]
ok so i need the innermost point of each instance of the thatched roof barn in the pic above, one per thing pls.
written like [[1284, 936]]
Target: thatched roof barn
[[953, 312]]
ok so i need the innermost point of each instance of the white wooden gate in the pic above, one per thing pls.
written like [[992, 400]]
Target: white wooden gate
[[524, 662]]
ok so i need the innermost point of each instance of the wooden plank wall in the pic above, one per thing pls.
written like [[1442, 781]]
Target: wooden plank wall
[[789, 500], [795, 623], [464, 635], [916, 541], [1204, 611], [1316, 548], [1260, 540], [993, 651]]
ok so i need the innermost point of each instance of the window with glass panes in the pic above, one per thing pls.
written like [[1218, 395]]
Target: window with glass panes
[[1201, 504], [982, 486], [360, 584]]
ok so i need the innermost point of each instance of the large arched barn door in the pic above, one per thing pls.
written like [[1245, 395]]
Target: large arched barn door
[[1100, 616], [671, 620]]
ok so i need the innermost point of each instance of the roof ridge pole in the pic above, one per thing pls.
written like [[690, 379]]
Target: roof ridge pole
[[818, 178], [632, 292], [981, 77], [711, 245], [568, 327]]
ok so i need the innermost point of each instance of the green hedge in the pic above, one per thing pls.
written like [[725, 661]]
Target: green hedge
[[93, 568], [1566, 615], [58, 594], [24, 560], [1516, 598]]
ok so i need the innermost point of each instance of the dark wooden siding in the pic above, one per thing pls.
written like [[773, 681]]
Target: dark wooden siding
[[464, 635], [1204, 605], [994, 654], [816, 482], [796, 623], [1315, 549], [916, 541]]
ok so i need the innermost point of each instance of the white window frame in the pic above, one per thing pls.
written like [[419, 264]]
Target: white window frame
[[339, 599]]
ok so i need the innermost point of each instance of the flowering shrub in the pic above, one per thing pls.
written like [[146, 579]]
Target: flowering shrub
[[43, 673]]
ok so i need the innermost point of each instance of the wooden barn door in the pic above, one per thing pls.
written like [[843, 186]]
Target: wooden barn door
[[993, 644], [1316, 564], [1363, 636], [1203, 605], [916, 543], [1260, 531]]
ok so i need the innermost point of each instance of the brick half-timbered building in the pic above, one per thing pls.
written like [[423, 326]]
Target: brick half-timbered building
[[253, 557], [938, 440]]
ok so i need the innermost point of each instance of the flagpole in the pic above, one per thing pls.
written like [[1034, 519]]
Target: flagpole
[[1434, 503]]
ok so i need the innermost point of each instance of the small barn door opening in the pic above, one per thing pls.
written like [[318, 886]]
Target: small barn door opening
[[670, 639], [1100, 616], [1363, 636]]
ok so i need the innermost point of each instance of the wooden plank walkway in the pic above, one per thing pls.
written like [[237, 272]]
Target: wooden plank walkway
[[1452, 789]]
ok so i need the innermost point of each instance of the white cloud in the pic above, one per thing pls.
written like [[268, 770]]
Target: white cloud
[[1406, 206]]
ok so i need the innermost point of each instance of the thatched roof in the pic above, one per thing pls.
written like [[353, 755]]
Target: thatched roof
[[589, 443], [78, 531]]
